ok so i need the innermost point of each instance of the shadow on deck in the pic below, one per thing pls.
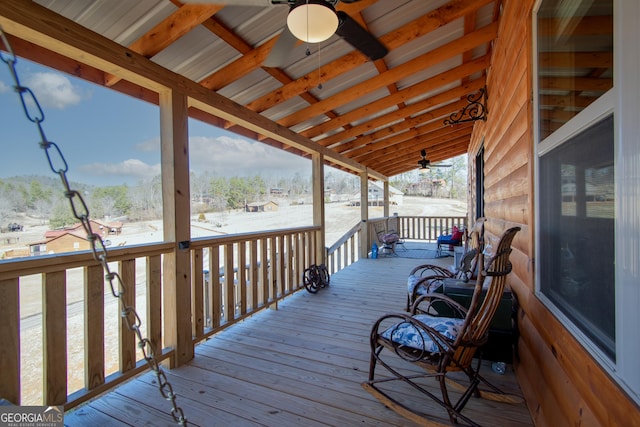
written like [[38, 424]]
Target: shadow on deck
[[299, 365]]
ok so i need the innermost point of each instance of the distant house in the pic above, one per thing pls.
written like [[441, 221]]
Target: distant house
[[73, 238], [261, 206], [100, 228], [376, 195], [67, 241], [278, 192]]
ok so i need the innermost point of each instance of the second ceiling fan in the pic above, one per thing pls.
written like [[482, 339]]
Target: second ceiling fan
[[425, 164]]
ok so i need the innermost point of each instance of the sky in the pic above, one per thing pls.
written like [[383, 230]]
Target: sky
[[108, 138]]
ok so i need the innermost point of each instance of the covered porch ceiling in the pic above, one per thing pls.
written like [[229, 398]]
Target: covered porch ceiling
[[376, 113]]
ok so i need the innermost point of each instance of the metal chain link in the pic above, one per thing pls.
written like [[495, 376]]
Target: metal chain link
[[34, 113]]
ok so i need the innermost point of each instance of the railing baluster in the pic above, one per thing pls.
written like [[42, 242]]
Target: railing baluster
[[254, 263], [154, 299], [127, 270], [242, 278], [280, 270], [197, 297], [229, 288], [216, 291], [54, 324], [263, 296], [10, 339], [93, 326]]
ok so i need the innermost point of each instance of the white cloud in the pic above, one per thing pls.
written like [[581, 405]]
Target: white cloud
[[128, 168], [4, 87], [235, 156], [54, 90], [149, 145]]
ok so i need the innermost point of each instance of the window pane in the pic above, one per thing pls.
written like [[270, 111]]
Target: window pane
[[577, 232], [575, 58]]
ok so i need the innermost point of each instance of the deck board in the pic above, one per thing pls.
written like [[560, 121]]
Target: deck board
[[299, 365]]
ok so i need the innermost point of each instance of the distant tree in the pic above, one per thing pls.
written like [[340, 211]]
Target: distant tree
[[62, 215], [111, 201], [218, 189], [199, 186], [146, 200], [237, 193], [258, 187]]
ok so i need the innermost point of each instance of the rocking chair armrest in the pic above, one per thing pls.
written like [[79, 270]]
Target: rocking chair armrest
[[487, 270], [436, 269], [430, 298]]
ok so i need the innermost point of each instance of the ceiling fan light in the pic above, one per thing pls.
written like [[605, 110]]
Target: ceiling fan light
[[312, 21]]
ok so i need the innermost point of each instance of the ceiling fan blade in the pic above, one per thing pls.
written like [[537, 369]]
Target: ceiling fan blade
[[281, 50], [358, 37]]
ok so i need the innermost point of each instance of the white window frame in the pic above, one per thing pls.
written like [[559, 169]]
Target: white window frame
[[623, 101]]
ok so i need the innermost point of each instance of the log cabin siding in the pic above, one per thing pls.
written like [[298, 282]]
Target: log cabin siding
[[561, 381]]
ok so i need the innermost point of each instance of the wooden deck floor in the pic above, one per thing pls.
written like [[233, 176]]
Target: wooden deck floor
[[299, 365]]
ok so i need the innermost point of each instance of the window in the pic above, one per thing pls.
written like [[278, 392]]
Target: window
[[575, 58], [480, 182], [587, 182], [577, 233]]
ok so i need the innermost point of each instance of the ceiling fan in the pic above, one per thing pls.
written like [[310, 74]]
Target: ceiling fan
[[313, 21], [425, 164]]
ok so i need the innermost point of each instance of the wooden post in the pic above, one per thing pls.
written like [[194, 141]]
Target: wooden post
[[317, 162], [386, 198], [176, 214], [364, 214]]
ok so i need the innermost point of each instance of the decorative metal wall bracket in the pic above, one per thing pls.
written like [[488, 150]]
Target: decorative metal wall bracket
[[475, 110]]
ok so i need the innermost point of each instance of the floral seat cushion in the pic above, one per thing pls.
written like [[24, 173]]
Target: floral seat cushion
[[425, 287], [407, 334]]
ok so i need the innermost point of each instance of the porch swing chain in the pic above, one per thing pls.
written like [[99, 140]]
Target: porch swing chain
[[81, 212]]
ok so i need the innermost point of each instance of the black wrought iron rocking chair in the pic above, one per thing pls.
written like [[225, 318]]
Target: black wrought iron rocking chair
[[441, 345]]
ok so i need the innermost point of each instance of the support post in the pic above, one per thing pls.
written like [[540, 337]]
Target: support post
[[386, 198], [176, 214], [317, 162], [364, 214]]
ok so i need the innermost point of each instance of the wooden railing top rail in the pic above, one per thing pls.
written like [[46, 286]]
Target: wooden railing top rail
[[203, 242], [56, 262], [344, 238]]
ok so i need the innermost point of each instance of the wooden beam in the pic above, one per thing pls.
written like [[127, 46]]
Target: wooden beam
[[430, 118], [176, 25], [419, 27], [418, 64], [433, 133], [428, 85]]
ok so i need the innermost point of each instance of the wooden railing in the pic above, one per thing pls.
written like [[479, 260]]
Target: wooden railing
[[426, 227], [345, 251], [266, 266], [64, 341]]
